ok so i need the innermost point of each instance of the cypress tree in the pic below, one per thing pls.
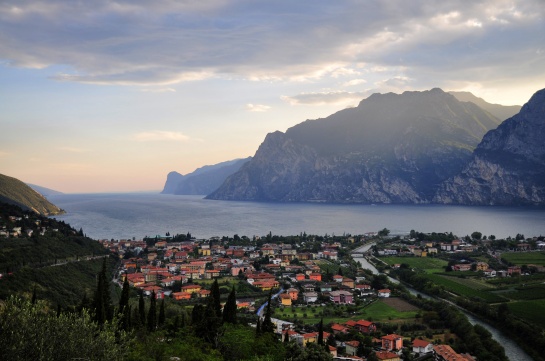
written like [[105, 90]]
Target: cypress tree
[[258, 327], [215, 294], [124, 299], [230, 308], [142, 309], [161, 320], [321, 332], [267, 325], [102, 304], [152, 313], [34, 296]]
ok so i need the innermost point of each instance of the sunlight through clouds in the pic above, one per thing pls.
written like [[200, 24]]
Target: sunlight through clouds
[[158, 135]]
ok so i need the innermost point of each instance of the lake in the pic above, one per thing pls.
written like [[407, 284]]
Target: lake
[[127, 215]]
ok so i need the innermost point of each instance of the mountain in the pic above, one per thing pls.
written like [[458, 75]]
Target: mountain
[[508, 166], [203, 180], [13, 191], [391, 148], [46, 192], [501, 112]]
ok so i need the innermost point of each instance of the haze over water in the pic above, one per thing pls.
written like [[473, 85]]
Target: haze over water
[[127, 215]]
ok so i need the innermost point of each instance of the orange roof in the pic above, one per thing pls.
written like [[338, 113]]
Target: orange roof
[[385, 355], [420, 343]]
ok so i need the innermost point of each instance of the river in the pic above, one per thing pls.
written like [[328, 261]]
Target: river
[[512, 350]]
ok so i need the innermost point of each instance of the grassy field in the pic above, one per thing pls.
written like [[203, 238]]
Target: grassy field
[[455, 286], [428, 264], [376, 311], [525, 258], [532, 311], [530, 292]]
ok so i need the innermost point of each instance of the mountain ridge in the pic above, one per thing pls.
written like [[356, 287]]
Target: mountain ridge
[[391, 148]]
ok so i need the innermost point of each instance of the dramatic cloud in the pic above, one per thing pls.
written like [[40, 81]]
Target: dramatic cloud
[[157, 135], [168, 42]]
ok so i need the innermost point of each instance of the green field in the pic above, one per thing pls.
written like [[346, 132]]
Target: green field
[[530, 292], [525, 258], [455, 285], [532, 311], [377, 311], [428, 264]]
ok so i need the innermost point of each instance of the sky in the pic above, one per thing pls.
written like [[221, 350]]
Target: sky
[[110, 96]]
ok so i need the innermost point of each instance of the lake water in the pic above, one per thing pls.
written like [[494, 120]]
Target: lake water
[[127, 215]]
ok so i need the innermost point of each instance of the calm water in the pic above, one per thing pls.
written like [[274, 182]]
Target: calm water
[[127, 215]]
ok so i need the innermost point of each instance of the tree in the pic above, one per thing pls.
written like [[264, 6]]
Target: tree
[[267, 326], [161, 320], [142, 308], [476, 235], [102, 303], [384, 232], [230, 308], [321, 332], [124, 298], [215, 295], [152, 313]]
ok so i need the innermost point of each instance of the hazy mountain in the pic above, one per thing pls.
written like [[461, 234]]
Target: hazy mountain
[[203, 180], [508, 166], [389, 149], [46, 192], [501, 112], [13, 191]]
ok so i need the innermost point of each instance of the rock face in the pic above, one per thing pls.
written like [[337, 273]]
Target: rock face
[[390, 149], [203, 180], [508, 166], [13, 191]]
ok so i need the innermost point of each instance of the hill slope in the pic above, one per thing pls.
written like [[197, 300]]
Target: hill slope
[[508, 166], [13, 191], [390, 149]]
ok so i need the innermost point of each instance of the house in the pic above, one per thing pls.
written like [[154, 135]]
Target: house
[[332, 350], [313, 337], [338, 278], [310, 297], [316, 276], [421, 346], [181, 295], [191, 288], [461, 267], [341, 297], [514, 270], [365, 326], [384, 292], [285, 299], [387, 356], [392, 342], [336, 328], [348, 282], [352, 347], [300, 277], [293, 293], [490, 273], [481, 266], [446, 353]]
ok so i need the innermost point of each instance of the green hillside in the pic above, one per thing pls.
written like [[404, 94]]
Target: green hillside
[[13, 191]]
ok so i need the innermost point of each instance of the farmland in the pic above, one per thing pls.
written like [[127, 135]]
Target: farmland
[[380, 310], [428, 264], [462, 288], [525, 258]]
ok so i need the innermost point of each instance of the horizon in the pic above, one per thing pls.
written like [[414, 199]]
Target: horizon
[[110, 97]]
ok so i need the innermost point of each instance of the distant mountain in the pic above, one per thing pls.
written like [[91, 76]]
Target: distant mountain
[[508, 166], [46, 192], [501, 112], [203, 180], [389, 149], [13, 191]]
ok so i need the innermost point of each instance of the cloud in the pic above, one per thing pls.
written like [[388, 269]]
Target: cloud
[[158, 135], [257, 108], [158, 90], [135, 42], [335, 97], [354, 82]]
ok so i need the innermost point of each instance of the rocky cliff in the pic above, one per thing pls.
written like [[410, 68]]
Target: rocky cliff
[[390, 149], [203, 180], [508, 166]]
